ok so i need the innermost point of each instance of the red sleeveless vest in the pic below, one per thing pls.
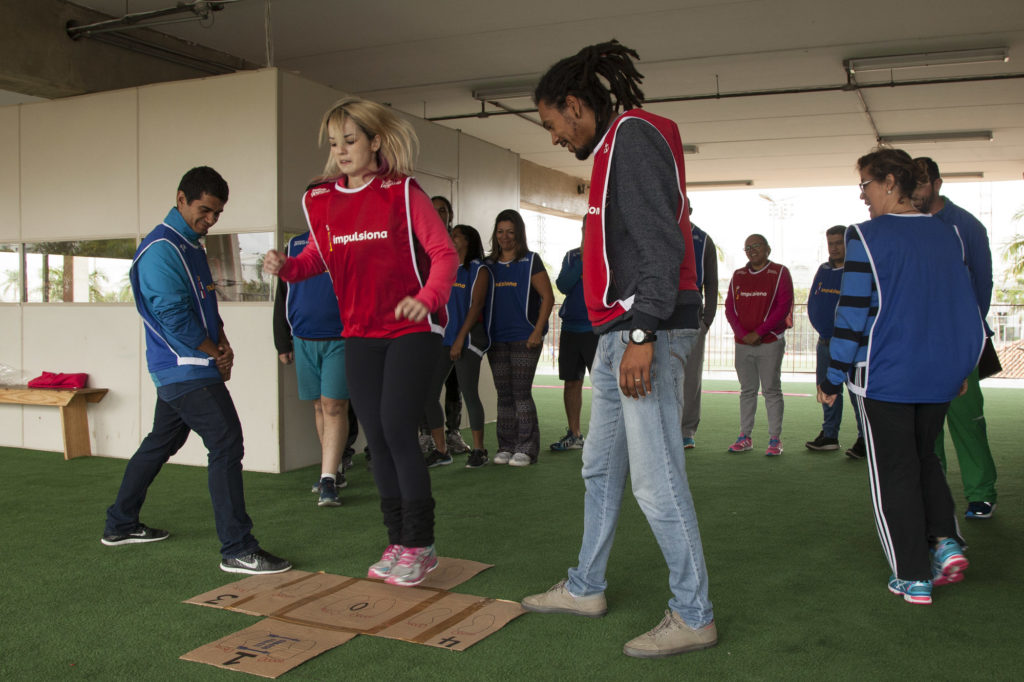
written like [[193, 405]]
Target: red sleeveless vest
[[597, 273]]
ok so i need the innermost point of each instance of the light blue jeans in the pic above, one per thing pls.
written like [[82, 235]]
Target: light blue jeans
[[642, 439]]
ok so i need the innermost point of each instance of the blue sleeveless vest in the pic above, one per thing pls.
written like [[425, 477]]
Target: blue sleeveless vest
[[458, 306], [311, 305], [510, 312], [159, 353]]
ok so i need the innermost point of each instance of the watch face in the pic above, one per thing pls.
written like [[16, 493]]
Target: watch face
[[637, 336]]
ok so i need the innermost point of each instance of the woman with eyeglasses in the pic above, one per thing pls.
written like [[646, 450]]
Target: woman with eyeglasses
[[903, 360]]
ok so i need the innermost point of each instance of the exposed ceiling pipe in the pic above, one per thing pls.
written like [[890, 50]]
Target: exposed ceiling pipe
[[200, 9], [850, 86]]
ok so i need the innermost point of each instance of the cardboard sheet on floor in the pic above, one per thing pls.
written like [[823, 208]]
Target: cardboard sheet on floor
[[315, 604], [269, 648]]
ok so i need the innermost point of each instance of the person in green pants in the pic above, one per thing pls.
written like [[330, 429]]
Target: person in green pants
[[966, 416]]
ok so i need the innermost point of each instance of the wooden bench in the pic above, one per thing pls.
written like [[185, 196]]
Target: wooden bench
[[73, 417]]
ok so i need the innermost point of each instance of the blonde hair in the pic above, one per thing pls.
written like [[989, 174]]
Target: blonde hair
[[399, 145]]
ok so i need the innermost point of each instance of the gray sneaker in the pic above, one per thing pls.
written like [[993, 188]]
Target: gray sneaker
[[426, 443], [558, 599], [456, 445], [671, 636]]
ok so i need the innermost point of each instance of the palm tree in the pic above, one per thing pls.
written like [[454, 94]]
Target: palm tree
[[1013, 253]]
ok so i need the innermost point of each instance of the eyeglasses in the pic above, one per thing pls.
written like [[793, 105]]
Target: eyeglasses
[[754, 247], [864, 184]]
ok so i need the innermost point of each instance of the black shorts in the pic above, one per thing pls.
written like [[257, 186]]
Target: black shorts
[[576, 352]]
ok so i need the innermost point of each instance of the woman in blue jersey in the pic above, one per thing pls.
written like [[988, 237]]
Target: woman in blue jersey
[[519, 319], [907, 334], [464, 344]]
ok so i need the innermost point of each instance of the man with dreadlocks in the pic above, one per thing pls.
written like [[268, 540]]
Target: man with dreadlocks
[[641, 292]]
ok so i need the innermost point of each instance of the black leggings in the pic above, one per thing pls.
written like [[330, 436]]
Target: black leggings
[[388, 380]]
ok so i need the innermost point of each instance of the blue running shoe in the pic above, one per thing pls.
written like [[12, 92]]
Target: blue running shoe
[[948, 562], [689, 443], [912, 591]]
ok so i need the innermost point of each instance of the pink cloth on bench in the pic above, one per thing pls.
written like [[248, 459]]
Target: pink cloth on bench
[[59, 380]]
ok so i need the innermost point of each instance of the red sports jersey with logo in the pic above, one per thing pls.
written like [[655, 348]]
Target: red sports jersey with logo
[[760, 302], [380, 243], [597, 274]]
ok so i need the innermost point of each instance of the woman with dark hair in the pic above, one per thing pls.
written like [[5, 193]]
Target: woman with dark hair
[[465, 341], [392, 264], [522, 301], [904, 359]]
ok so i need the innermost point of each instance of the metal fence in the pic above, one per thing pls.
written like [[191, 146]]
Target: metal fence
[[1006, 320]]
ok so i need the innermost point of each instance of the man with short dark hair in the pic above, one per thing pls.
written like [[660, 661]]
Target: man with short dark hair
[[821, 310], [966, 415], [641, 293], [577, 346], [189, 359]]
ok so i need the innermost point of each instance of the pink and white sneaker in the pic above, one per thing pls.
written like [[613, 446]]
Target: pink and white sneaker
[[413, 566], [382, 569], [742, 444]]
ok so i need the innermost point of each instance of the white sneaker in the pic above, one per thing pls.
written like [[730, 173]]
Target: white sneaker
[[520, 459], [502, 457]]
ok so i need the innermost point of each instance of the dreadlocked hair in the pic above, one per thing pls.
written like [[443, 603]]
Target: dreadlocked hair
[[602, 76]]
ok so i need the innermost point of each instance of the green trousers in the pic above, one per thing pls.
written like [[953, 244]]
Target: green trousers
[[966, 419]]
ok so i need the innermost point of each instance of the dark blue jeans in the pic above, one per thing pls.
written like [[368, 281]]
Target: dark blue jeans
[[209, 412]]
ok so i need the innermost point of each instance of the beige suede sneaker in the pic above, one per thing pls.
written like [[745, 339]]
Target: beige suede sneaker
[[558, 599], [671, 636]]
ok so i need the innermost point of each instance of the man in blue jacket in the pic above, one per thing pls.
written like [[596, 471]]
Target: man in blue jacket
[[821, 309], [577, 345], [966, 415], [189, 359]]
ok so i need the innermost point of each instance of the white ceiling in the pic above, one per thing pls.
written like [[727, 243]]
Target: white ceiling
[[426, 58]]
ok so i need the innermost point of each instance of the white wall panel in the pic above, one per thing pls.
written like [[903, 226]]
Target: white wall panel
[[10, 354], [439, 147], [488, 184], [227, 122], [79, 167], [101, 340], [10, 174], [302, 105]]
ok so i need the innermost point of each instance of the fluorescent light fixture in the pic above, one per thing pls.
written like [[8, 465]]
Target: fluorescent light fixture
[[919, 138], [964, 174], [907, 61], [720, 183], [507, 91], [691, 149]]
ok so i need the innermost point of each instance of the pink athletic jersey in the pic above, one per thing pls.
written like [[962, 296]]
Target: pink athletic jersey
[[380, 243], [597, 274]]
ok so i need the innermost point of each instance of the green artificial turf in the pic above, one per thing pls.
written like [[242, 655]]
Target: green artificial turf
[[797, 575]]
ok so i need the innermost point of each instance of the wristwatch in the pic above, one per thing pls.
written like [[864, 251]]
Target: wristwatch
[[642, 336]]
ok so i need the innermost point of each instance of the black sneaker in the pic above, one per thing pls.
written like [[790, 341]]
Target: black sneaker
[[822, 442], [476, 459], [141, 533], [328, 493], [857, 451], [339, 477], [438, 459], [256, 563]]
